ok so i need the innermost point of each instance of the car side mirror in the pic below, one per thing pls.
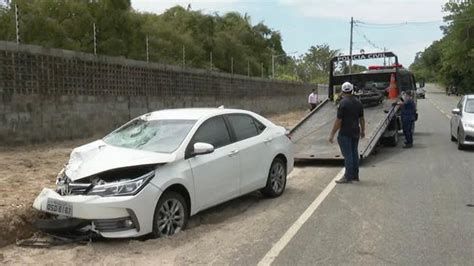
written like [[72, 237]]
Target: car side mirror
[[201, 148], [456, 111]]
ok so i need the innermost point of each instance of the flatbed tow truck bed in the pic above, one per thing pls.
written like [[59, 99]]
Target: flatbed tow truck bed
[[310, 135]]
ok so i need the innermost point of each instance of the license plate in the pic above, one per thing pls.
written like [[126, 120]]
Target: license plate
[[59, 207]]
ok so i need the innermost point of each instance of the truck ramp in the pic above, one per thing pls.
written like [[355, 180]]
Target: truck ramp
[[310, 135]]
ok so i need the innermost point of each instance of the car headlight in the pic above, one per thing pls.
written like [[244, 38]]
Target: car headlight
[[124, 188], [469, 126]]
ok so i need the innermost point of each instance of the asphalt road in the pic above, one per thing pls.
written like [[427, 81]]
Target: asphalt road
[[409, 208]]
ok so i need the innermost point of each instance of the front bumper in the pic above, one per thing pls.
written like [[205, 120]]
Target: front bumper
[[468, 137], [112, 217]]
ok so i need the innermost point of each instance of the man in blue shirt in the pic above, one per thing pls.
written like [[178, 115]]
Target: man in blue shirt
[[351, 126], [408, 113]]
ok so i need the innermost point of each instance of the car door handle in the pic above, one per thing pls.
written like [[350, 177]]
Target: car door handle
[[233, 153], [267, 140]]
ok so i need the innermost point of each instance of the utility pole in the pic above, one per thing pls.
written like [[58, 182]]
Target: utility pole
[[184, 56], [350, 46], [17, 24], [232, 65], [384, 59], [261, 68], [147, 50], [95, 39]]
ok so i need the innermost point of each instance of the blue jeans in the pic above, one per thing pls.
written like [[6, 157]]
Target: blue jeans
[[407, 130], [350, 150]]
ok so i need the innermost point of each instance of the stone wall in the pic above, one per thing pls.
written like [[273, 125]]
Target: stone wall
[[52, 94]]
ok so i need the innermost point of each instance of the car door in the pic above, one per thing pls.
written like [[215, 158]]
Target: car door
[[254, 150], [216, 175]]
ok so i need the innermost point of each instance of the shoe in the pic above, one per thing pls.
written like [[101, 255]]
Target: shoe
[[356, 179], [408, 146], [343, 181]]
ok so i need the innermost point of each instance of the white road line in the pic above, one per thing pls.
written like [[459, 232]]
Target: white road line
[[291, 232], [439, 108]]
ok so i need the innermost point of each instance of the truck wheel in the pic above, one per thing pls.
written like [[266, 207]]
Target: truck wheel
[[276, 181], [393, 140]]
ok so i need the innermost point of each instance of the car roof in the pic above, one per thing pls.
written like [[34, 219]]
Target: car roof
[[190, 113]]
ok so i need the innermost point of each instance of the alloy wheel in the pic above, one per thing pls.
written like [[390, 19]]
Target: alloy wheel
[[171, 217], [277, 177]]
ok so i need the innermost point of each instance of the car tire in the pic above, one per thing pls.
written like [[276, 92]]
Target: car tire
[[171, 214], [276, 180]]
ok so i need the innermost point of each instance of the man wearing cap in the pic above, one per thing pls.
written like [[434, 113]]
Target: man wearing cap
[[408, 114], [351, 126]]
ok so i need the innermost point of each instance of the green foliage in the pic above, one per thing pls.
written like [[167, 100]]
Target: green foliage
[[313, 66], [451, 60], [122, 31]]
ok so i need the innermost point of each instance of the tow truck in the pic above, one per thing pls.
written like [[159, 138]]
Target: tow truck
[[383, 122]]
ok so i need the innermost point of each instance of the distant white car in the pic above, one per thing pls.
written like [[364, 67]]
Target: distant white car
[[462, 122], [151, 174]]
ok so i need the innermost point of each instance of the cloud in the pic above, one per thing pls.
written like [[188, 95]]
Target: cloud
[[208, 6], [376, 11]]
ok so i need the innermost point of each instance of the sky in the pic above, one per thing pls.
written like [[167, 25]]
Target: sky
[[402, 26]]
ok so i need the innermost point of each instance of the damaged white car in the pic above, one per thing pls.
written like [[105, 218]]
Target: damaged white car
[[151, 174]]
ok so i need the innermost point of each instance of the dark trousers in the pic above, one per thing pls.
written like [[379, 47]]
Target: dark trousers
[[313, 105], [408, 130], [350, 150]]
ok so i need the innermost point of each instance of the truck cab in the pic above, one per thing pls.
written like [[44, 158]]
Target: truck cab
[[372, 86]]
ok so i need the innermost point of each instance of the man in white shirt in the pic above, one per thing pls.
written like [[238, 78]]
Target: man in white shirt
[[313, 100]]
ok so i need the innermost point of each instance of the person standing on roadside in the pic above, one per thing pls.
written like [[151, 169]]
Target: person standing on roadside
[[313, 100], [350, 123], [408, 114]]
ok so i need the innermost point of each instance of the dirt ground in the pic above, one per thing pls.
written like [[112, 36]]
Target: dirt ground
[[25, 170]]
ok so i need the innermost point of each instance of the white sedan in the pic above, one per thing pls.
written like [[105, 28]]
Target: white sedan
[[151, 174]]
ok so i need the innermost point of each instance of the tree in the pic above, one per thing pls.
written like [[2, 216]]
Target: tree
[[451, 60]]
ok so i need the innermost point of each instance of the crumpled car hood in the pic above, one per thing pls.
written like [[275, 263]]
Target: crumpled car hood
[[98, 156]]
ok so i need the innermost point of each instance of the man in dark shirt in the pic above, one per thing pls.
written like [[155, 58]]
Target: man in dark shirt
[[408, 114], [351, 125]]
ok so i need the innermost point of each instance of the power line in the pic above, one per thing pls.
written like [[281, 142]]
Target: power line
[[412, 23], [363, 35], [399, 23]]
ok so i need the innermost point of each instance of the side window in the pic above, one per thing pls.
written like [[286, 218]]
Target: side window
[[244, 126], [213, 131], [260, 127]]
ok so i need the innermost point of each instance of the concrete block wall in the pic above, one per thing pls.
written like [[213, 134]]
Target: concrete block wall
[[51, 94]]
